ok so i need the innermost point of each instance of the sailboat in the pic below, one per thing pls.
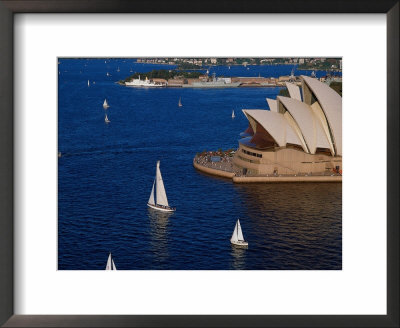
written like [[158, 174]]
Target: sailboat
[[105, 104], [108, 74], [159, 201], [88, 83], [233, 114], [237, 236], [179, 102], [106, 119], [110, 263]]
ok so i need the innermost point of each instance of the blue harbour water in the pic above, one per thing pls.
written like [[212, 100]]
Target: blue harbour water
[[106, 173]]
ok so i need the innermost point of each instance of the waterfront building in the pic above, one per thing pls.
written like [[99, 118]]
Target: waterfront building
[[175, 82], [300, 134]]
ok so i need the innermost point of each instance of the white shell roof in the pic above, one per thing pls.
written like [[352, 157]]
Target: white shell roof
[[294, 91], [276, 125], [273, 105], [331, 104], [308, 124]]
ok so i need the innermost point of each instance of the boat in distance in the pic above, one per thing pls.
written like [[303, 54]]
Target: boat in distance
[[214, 83], [159, 201], [237, 238], [138, 83]]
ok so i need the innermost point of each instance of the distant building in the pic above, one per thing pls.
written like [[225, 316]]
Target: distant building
[[284, 78], [226, 79], [252, 81], [300, 134], [191, 80], [160, 81], [175, 82]]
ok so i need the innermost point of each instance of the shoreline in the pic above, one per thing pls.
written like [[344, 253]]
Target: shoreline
[[266, 179], [202, 68]]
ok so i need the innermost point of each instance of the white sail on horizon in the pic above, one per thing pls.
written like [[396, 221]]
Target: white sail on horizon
[[113, 266], [160, 189], [237, 234], [234, 234], [151, 198]]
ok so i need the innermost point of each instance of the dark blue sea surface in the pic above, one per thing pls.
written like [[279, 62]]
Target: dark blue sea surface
[[106, 171]]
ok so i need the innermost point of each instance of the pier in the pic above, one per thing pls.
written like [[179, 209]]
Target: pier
[[225, 169]]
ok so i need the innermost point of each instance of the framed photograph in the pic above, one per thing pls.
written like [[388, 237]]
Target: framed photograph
[[233, 164]]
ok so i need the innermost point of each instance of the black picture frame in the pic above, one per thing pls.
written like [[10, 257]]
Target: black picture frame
[[10, 7]]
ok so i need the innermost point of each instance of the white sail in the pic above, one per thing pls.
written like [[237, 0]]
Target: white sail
[[108, 266], [105, 104], [160, 190], [233, 114], [235, 233], [239, 232], [180, 103], [106, 119], [88, 83], [113, 266], [151, 199]]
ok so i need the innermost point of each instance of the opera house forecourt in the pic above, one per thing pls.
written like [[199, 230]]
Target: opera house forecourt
[[298, 139]]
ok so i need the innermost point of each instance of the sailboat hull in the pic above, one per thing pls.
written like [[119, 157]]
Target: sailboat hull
[[240, 243], [162, 208]]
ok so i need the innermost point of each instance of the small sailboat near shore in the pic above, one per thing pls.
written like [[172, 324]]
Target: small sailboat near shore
[[106, 119], [237, 238], [233, 113], [105, 104], [179, 102], [158, 197], [110, 263]]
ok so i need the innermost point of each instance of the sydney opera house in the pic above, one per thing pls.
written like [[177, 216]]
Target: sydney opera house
[[300, 134]]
